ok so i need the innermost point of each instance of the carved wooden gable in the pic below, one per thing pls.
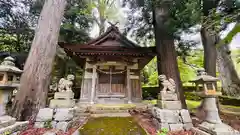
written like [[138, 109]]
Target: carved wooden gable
[[113, 38]]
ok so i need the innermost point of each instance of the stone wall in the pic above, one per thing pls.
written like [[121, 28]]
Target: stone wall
[[59, 118], [173, 120]]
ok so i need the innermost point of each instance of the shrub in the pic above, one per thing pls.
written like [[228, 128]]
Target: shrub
[[225, 100], [192, 96], [150, 93]]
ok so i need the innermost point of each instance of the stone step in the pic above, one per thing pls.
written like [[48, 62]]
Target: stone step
[[82, 114], [108, 111], [111, 115], [111, 101]]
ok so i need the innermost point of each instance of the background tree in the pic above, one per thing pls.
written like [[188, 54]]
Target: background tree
[[76, 22], [16, 30], [163, 20], [36, 77], [213, 23], [103, 11]]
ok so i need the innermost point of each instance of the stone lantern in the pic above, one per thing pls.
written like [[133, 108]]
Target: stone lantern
[[9, 81], [212, 123], [208, 83]]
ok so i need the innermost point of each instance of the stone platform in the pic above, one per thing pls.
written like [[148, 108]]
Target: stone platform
[[169, 114], [173, 120]]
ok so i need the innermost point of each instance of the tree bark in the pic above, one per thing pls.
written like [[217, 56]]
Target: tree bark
[[165, 48], [37, 70], [210, 52], [228, 75]]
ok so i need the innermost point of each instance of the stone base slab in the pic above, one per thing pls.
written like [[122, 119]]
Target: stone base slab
[[176, 127], [217, 129], [44, 114], [18, 126], [63, 95], [57, 103], [171, 105], [165, 96], [172, 120], [64, 114], [198, 131], [7, 121]]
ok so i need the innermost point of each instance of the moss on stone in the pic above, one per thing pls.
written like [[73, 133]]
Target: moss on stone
[[112, 126]]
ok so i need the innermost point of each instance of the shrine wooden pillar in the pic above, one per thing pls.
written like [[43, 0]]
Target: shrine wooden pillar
[[94, 76], [129, 85]]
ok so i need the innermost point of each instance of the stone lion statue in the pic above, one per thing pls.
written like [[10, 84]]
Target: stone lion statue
[[168, 84], [65, 85]]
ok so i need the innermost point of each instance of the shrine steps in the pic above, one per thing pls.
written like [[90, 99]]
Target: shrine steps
[[111, 110]]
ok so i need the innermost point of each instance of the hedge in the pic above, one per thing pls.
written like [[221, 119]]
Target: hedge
[[152, 92]]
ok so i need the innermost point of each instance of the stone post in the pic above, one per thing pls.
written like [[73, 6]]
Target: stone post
[[94, 75], [129, 86]]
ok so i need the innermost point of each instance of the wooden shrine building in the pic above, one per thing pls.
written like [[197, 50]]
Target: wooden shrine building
[[112, 66]]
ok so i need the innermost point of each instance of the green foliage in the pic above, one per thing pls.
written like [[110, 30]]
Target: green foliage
[[19, 19], [163, 131], [48, 124], [16, 30], [192, 96], [224, 100], [150, 73], [150, 92], [187, 67], [230, 35], [182, 15], [103, 11], [75, 24]]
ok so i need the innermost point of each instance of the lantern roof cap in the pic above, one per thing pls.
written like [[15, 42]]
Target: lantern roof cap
[[202, 76], [8, 65]]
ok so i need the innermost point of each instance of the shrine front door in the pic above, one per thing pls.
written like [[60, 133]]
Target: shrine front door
[[111, 87]]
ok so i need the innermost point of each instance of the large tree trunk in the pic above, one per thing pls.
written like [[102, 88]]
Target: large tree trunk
[[166, 53], [210, 52], [228, 75], [36, 77]]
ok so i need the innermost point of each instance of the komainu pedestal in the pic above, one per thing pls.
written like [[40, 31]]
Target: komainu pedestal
[[169, 113], [169, 101], [63, 100]]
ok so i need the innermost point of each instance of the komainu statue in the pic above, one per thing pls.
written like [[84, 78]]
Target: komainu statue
[[65, 85], [168, 84]]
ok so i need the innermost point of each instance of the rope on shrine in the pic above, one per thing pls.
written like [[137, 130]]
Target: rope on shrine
[[110, 72]]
